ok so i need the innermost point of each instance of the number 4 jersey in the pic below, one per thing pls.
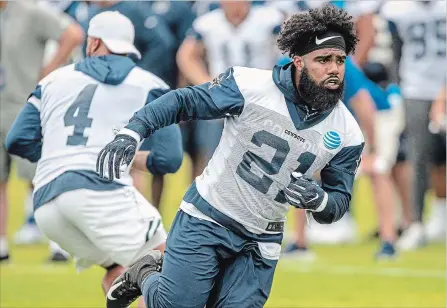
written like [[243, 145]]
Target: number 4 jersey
[[72, 114], [268, 134]]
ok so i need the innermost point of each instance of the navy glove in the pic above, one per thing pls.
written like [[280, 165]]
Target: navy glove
[[305, 193], [119, 152]]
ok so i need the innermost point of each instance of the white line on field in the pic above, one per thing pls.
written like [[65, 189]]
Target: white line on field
[[360, 270]]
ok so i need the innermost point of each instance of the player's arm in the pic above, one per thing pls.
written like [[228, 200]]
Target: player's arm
[[211, 100], [359, 100], [51, 25], [191, 60], [365, 112], [215, 100], [366, 33], [24, 138]]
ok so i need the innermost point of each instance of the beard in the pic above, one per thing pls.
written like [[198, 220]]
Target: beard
[[317, 96]]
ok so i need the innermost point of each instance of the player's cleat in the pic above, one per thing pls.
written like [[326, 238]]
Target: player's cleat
[[127, 287], [27, 235], [412, 238], [386, 251], [435, 227], [58, 257], [4, 258], [298, 252]]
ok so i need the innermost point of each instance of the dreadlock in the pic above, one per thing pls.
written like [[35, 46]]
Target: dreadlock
[[301, 27]]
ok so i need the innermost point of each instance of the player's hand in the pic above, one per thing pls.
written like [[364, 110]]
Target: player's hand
[[115, 155], [305, 193]]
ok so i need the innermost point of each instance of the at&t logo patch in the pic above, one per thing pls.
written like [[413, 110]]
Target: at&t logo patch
[[331, 140]]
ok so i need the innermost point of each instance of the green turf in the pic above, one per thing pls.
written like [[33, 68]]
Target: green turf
[[342, 276]]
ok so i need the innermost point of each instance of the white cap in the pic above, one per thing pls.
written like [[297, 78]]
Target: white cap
[[116, 31]]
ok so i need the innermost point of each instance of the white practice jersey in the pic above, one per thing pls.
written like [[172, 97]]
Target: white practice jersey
[[251, 44], [261, 147], [79, 114], [422, 29]]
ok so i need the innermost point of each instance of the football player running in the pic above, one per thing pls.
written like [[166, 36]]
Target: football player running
[[281, 127]]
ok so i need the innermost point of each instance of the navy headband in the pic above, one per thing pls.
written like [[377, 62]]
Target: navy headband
[[328, 39]]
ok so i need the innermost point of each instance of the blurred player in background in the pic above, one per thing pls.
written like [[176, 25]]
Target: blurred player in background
[[281, 126], [68, 118], [228, 36], [401, 171], [421, 26], [25, 29], [383, 151]]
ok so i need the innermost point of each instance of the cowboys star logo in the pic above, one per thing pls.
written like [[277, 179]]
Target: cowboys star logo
[[217, 81]]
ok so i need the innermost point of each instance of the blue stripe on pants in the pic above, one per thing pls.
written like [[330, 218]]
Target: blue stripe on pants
[[206, 264]]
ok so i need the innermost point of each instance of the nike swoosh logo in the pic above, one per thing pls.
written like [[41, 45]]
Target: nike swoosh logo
[[319, 42], [313, 199], [113, 288]]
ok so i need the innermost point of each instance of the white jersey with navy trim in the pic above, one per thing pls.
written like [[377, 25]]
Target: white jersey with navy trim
[[261, 147], [78, 116], [251, 44], [268, 134], [422, 29]]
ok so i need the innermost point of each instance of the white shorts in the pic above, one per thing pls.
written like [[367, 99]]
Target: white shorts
[[102, 227], [389, 126]]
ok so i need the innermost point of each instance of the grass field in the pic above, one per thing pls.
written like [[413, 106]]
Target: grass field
[[342, 276]]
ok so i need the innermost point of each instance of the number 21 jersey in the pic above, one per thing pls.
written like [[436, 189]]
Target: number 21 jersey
[[265, 143]]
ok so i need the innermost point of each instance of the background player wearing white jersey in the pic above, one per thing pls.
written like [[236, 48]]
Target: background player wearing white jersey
[[421, 26], [68, 118], [231, 35], [281, 127]]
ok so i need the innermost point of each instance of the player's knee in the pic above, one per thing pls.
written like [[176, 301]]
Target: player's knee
[[112, 272], [382, 166]]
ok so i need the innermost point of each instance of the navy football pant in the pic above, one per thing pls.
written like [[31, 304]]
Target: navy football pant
[[206, 264]]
